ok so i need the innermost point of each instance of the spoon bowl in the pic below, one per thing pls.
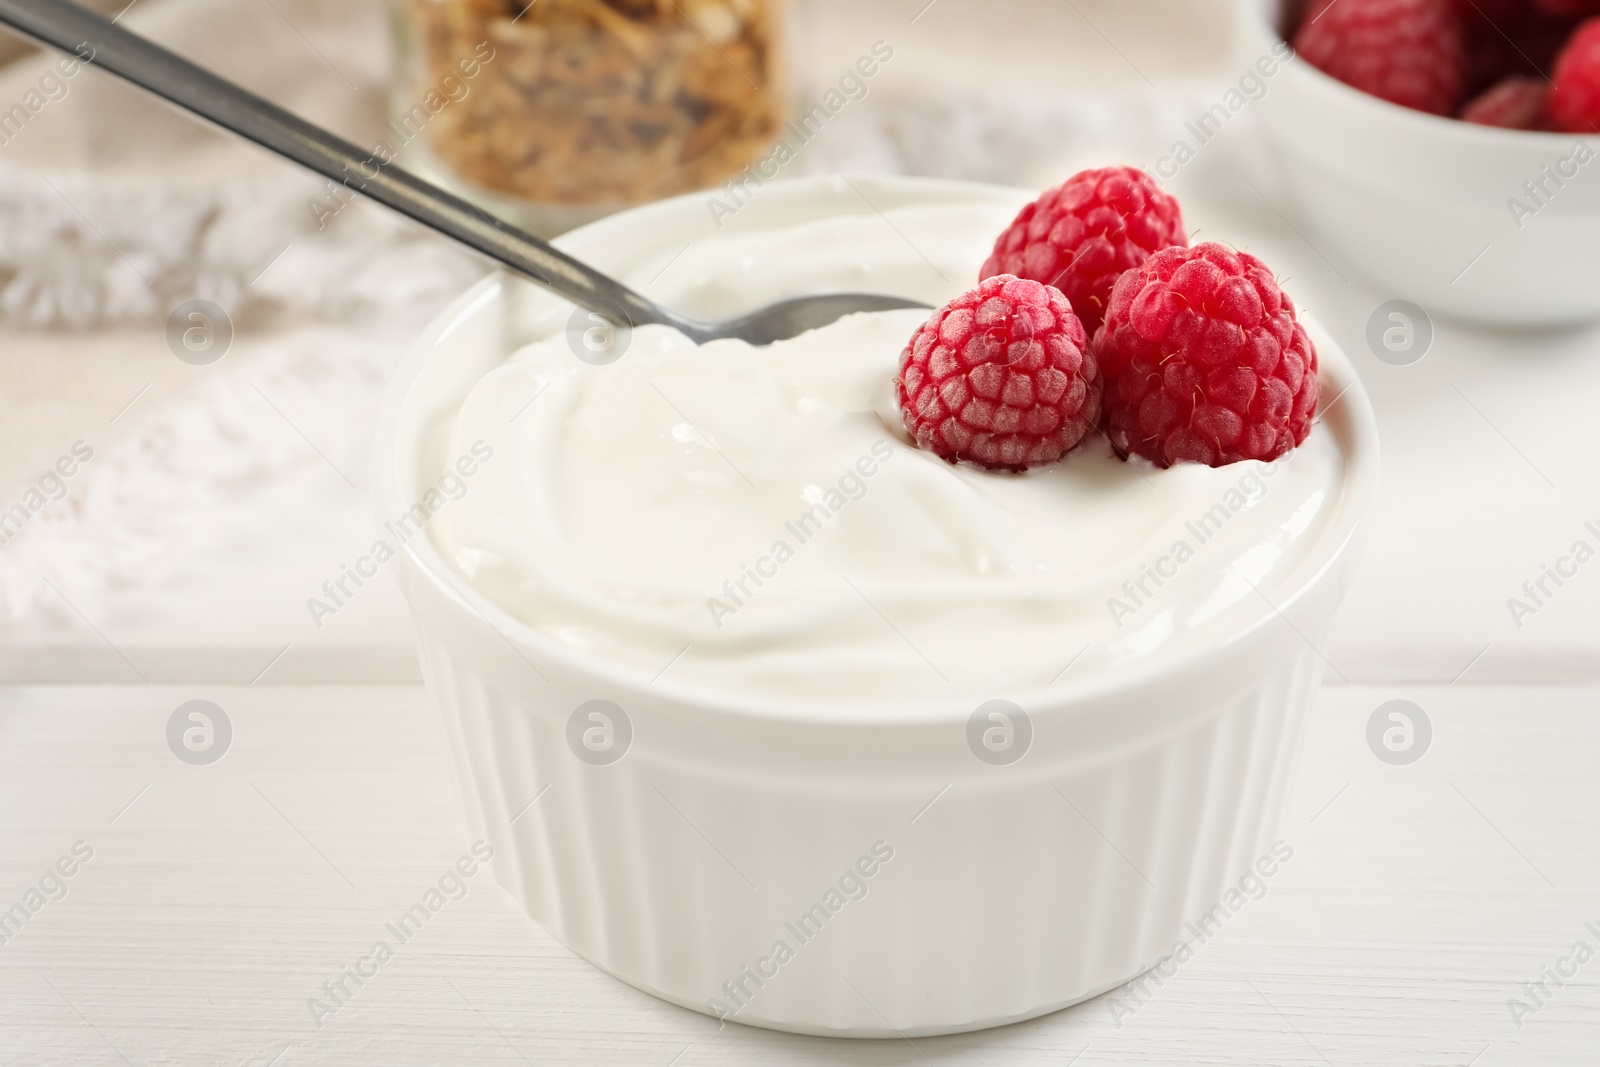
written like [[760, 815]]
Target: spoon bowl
[[790, 318]]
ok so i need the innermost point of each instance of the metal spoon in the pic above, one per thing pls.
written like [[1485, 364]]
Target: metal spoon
[[96, 40]]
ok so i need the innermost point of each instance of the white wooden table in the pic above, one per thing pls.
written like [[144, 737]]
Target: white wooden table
[[220, 898]]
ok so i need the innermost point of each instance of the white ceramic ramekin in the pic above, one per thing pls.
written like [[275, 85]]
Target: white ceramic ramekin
[[1426, 206], [917, 888]]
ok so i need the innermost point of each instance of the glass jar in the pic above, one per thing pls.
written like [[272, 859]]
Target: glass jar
[[553, 112]]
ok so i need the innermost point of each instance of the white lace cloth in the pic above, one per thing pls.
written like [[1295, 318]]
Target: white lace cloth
[[113, 210]]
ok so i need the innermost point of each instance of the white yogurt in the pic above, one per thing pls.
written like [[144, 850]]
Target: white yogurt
[[754, 521]]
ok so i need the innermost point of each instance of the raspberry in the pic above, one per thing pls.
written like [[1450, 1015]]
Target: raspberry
[[1081, 236], [1409, 52], [1000, 376], [1204, 360], [1575, 101], [1516, 103]]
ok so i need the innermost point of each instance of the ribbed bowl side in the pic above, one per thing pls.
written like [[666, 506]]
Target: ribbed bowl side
[[1018, 891]]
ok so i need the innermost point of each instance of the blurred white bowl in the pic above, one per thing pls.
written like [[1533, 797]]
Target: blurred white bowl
[[1427, 207]]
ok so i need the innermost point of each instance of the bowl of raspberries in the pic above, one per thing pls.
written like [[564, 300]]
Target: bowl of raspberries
[[1449, 150]]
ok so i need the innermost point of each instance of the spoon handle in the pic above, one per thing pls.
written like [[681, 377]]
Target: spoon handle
[[96, 40]]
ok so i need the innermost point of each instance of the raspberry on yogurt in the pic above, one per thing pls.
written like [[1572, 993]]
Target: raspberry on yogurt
[[1000, 377], [1205, 361], [1081, 235]]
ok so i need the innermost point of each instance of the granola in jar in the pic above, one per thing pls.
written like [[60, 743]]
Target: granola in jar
[[599, 102]]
